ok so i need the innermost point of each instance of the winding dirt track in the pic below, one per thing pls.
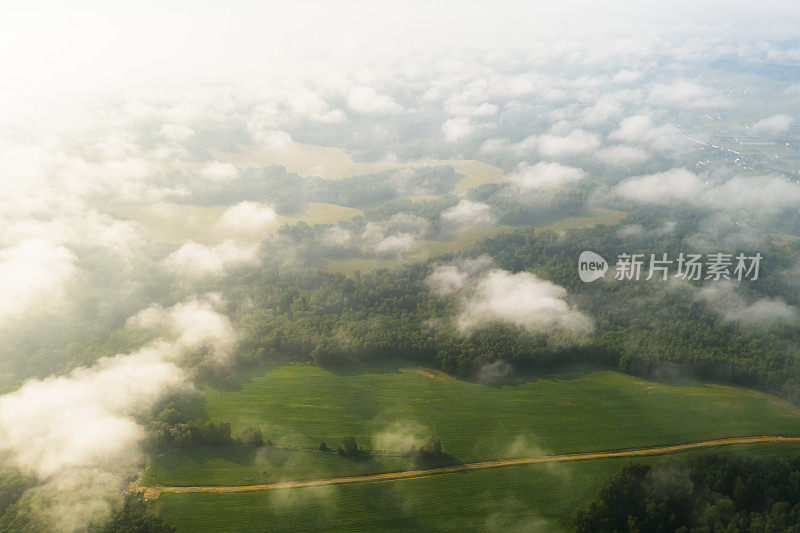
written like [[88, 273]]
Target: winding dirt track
[[155, 491]]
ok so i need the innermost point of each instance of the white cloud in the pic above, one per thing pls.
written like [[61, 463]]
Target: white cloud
[[306, 102], [394, 236], [676, 185], [774, 125], [621, 156], [451, 278], [216, 171], [626, 76], [248, 220], [642, 130], [521, 299], [793, 90], [396, 245], [723, 298], [195, 260], [762, 194], [546, 176], [636, 232], [190, 326], [33, 278], [447, 279], [491, 295], [575, 143], [367, 100], [78, 434], [633, 129], [337, 237], [604, 109], [467, 213], [176, 132], [456, 129], [686, 93]]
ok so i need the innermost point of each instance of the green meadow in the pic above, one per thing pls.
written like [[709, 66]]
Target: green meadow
[[524, 498], [582, 409], [297, 407]]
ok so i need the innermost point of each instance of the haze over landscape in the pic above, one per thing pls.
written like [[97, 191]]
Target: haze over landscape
[[315, 266]]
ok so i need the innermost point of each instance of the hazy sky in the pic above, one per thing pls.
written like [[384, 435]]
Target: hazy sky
[[54, 46]]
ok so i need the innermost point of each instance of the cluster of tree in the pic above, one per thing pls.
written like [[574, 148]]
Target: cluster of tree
[[430, 449], [252, 436], [710, 493], [350, 447], [176, 425], [192, 434], [14, 512]]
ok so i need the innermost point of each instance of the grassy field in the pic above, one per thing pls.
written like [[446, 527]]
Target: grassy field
[[599, 217], [568, 412], [176, 223], [526, 498], [320, 213], [333, 163], [492, 500], [579, 410], [306, 405]]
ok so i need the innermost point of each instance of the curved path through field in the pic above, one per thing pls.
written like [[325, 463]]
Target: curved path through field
[[155, 491]]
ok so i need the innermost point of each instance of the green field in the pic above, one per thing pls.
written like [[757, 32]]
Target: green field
[[525, 498], [490, 500], [599, 217], [580, 410]]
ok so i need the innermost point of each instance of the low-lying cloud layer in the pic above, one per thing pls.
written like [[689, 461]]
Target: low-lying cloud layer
[[724, 299], [79, 436], [194, 261], [762, 194], [546, 176], [93, 135], [467, 213]]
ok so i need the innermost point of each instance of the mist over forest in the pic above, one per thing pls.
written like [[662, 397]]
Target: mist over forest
[[193, 193]]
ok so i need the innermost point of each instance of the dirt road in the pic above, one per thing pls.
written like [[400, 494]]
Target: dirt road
[[155, 491]]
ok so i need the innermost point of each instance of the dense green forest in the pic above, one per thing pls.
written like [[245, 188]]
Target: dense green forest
[[709, 493], [654, 328]]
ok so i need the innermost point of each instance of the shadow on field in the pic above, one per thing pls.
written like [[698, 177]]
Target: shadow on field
[[240, 455], [562, 373], [232, 379], [380, 367]]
